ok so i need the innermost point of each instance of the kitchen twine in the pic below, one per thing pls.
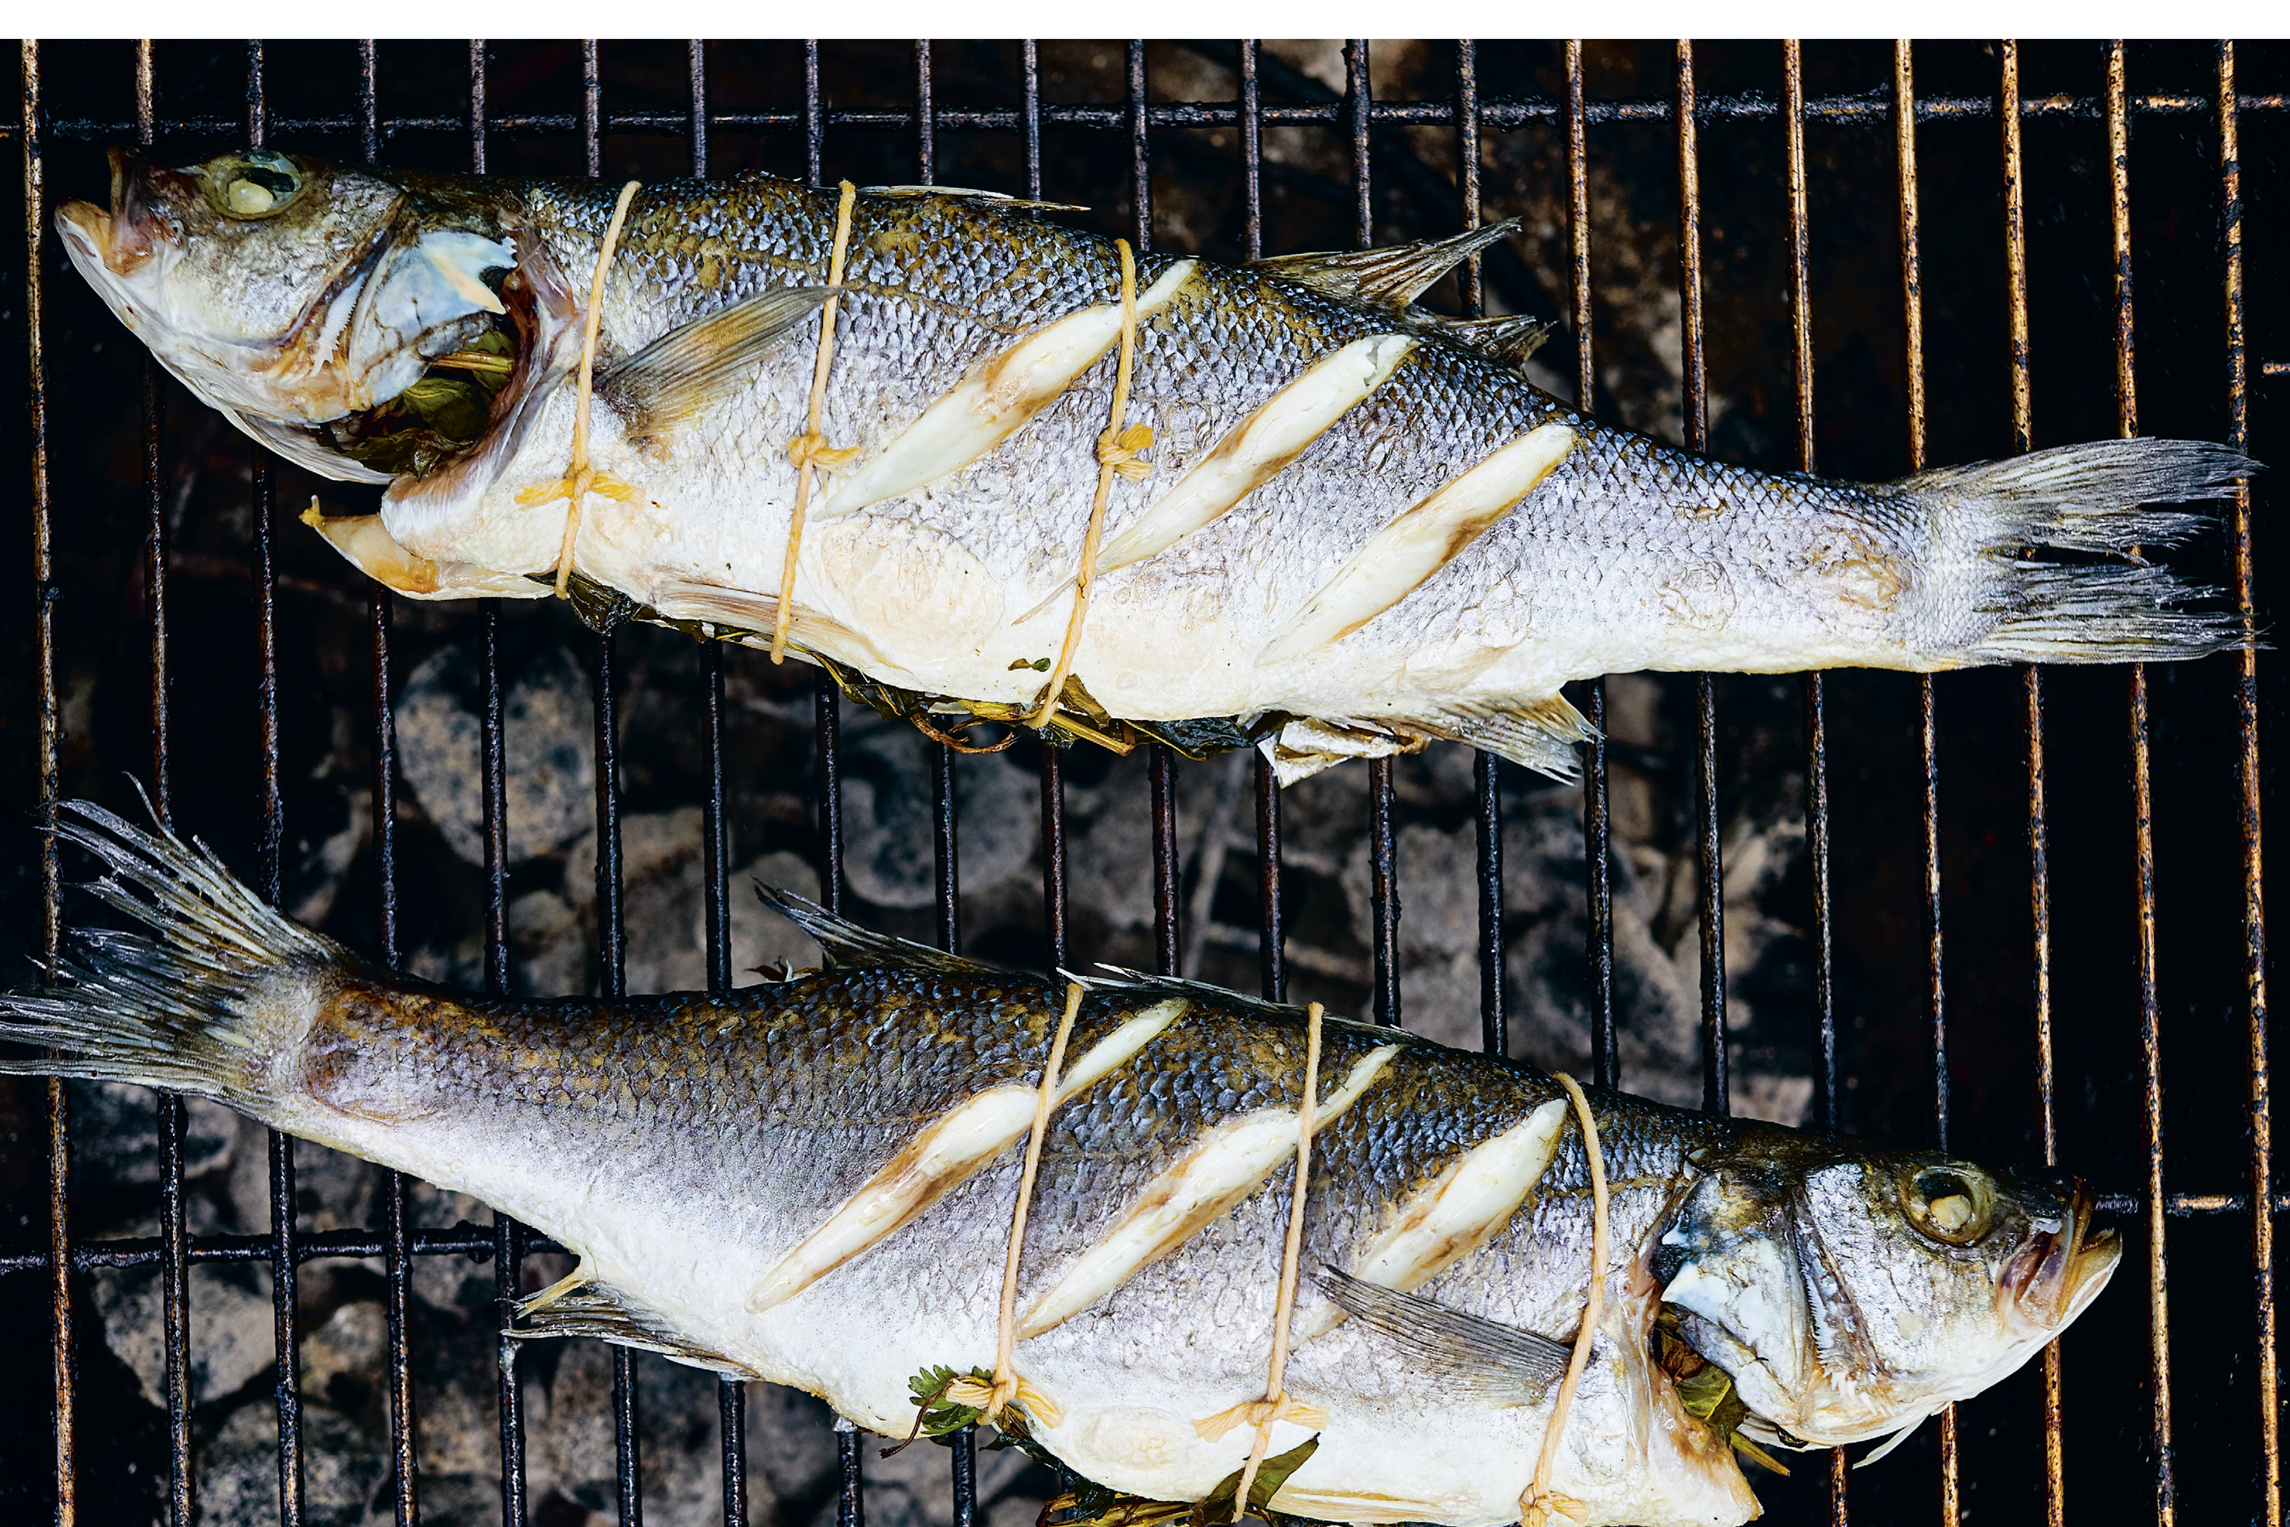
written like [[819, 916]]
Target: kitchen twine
[[990, 1398], [581, 479], [1119, 453], [810, 449], [1541, 1504], [1276, 1405]]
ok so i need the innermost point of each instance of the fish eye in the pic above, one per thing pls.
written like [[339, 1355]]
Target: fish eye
[[1953, 1205], [255, 184]]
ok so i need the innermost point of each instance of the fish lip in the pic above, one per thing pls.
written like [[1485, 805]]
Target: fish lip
[[2048, 1281], [136, 229]]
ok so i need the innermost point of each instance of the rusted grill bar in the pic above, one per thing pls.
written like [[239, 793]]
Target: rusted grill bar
[[271, 830], [171, 1115], [45, 781], [1715, 1091], [1500, 112], [1826, 1103], [2251, 786], [1912, 303], [2039, 830], [1597, 833], [2142, 832], [1357, 116]]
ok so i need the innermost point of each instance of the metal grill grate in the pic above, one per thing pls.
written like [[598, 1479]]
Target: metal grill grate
[[1473, 117]]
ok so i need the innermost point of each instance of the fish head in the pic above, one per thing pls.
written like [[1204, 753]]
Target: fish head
[[291, 293], [1850, 1294]]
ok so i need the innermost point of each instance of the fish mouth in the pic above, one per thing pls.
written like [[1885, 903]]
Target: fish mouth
[[2050, 1280], [136, 229]]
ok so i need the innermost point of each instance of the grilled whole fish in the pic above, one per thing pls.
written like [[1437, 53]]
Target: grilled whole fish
[[812, 1182], [1356, 527]]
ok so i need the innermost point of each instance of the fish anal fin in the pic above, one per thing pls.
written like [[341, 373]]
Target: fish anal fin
[[1390, 277], [676, 377], [580, 1305], [1463, 1353], [1538, 734]]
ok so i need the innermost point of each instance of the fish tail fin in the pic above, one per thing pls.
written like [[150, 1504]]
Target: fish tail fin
[[2104, 500], [202, 1004]]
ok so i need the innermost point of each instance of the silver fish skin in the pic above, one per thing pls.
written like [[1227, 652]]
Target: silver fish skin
[[812, 1183], [1356, 529]]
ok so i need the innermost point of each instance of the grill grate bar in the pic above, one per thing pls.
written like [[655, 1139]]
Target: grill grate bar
[[1504, 113], [827, 782], [1715, 1096], [2039, 829], [962, 1446], [171, 1116], [508, 1236], [1597, 826], [1383, 889], [2142, 831], [270, 802], [1486, 775], [397, 1267], [1928, 737], [1826, 1098], [51, 871], [1273, 945], [2251, 784]]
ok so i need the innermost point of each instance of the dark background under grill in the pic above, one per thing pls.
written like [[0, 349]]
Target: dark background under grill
[[172, 624]]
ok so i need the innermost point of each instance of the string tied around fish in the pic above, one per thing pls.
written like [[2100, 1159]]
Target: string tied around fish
[[1119, 448], [1541, 1505], [581, 477], [810, 451], [1276, 1404], [992, 1396]]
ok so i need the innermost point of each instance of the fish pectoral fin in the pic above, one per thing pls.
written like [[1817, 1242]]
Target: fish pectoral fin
[[1460, 1352], [1390, 277], [367, 544], [1891, 1442], [679, 375], [1507, 341], [847, 946], [1541, 734], [579, 1305]]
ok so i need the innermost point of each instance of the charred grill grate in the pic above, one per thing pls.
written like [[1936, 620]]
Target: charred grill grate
[[2140, 1415]]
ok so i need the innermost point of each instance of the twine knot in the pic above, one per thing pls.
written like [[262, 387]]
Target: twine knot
[[991, 1397], [810, 449], [1123, 451], [1259, 1415], [1540, 1508]]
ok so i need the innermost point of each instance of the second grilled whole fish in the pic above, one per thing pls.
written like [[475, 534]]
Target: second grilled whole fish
[[1356, 526], [812, 1182]]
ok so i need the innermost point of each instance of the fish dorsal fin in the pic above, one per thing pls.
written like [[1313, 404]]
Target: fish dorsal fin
[[1464, 1353], [578, 1305], [964, 193], [1390, 277], [676, 377], [1541, 735], [1142, 986], [1505, 341], [848, 946]]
